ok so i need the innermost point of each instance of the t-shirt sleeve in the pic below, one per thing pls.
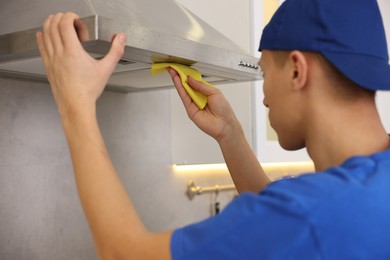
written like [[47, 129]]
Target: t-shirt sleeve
[[271, 225]]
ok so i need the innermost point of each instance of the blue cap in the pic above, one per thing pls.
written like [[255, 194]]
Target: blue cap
[[348, 33]]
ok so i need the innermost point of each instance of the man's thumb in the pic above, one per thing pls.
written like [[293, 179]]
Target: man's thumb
[[116, 51]]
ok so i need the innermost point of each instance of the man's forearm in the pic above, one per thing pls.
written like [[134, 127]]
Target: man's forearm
[[103, 197], [112, 218], [245, 169]]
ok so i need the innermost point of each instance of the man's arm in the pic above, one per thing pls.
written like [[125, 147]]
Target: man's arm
[[77, 80], [218, 121]]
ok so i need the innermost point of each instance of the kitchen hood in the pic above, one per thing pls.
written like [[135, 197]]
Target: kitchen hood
[[157, 31]]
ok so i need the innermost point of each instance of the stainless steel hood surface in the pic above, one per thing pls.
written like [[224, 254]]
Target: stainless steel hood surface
[[157, 31]]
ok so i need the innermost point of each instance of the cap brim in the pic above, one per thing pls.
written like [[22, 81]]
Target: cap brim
[[366, 71]]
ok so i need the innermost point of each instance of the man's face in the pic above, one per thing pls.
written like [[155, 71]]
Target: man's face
[[279, 98]]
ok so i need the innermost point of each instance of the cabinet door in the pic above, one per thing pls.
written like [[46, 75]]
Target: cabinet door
[[266, 146], [383, 97], [189, 144], [383, 103]]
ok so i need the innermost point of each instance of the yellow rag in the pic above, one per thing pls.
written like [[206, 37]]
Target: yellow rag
[[184, 71]]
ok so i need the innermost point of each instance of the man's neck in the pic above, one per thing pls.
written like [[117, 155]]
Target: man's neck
[[337, 135]]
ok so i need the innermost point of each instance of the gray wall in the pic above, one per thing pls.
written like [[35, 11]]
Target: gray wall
[[40, 214]]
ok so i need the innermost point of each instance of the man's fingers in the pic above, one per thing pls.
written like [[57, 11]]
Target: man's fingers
[[41, 47], [46, 35], [201, 87], [115, 53], [67, 30], [82, 30], [186, 99], [177, 81], [55, 37], [59, 32]]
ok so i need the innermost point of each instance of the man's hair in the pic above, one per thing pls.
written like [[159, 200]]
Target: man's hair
[[342, 85]]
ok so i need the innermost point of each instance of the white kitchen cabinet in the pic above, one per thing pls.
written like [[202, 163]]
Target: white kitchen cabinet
[[383, 103], [265, 144], [189, 144], [383, 98]]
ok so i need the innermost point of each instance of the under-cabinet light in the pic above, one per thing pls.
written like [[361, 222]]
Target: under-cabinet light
[[222, 166], [199, 167]]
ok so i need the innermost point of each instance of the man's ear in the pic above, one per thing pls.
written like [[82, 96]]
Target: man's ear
[[299, 69]]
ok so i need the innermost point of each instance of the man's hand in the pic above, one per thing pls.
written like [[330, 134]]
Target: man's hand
[[217, 119], [76, 79]]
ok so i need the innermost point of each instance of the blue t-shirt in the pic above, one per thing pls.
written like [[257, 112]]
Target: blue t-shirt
[[341, 213]]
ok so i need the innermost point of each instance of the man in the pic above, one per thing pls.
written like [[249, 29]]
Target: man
[[322, 62]]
